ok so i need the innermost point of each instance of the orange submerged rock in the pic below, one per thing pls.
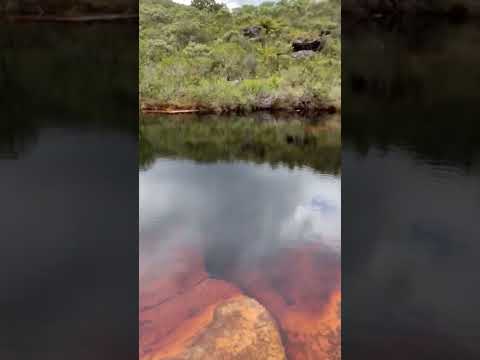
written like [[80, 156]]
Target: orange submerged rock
[[184, 314], [301, 288]]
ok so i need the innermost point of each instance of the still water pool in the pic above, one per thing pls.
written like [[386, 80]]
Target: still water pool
[[272, 231]]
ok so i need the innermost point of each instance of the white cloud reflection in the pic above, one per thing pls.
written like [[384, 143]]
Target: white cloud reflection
[[247, 207]]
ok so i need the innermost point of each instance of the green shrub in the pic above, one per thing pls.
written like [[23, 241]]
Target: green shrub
[[193, 57]]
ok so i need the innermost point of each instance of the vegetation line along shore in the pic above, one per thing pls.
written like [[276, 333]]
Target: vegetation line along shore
[[277, 56]]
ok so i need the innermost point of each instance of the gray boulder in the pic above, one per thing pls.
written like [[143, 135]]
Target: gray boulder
[[253, 32], [303, 54]]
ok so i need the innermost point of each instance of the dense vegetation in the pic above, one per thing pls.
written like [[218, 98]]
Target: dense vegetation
[[293, 142], [197, 56]]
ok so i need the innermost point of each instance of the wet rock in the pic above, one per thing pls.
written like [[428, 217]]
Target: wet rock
[[239, 329], [265, 102], [307, 311], [177, 299], [185, 315], [252, 32], [303, 54]]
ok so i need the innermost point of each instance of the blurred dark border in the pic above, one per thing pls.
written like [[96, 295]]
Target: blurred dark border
[[69, 189]]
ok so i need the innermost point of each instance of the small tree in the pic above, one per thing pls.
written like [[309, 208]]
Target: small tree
[[209, 5]]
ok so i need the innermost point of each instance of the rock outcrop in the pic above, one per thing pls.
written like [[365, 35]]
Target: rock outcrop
[[303, 54], [253, 32], [185, 315], [311, 45], [301, 289]]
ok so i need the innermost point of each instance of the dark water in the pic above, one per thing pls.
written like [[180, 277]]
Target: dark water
[[68, 162], [244, 215], [411, 191]]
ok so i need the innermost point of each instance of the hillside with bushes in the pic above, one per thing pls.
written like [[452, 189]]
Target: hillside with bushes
[[275, 56]]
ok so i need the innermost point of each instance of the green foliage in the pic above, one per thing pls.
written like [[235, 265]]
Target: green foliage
[[208, 5], [191, 57]]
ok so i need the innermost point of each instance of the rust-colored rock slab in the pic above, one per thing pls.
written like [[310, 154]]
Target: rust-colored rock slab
[[240, 329], [177, 301], [301, 288], [184, 314]]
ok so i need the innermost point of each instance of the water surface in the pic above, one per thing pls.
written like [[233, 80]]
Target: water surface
[[270, 219]]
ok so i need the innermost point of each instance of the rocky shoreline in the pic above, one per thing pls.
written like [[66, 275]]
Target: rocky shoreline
[[152, 108]]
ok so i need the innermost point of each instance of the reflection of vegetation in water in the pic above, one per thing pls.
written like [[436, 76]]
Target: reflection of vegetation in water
[[423, 67], [211, 139], [145, 149]]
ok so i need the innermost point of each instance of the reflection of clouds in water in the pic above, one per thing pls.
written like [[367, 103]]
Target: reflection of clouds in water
[[240, 209], [317, 219]]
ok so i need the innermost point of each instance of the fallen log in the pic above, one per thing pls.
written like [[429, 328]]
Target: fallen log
[[167, 111]]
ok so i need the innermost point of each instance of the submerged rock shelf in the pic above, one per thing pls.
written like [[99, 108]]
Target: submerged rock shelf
[[187, 314]]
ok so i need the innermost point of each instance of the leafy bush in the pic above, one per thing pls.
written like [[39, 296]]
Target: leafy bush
[[194, 56]]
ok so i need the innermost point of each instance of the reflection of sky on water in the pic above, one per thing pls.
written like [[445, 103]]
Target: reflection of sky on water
[[247, 207]]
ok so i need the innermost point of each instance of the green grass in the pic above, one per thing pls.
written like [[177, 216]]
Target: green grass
[[194, 58]]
